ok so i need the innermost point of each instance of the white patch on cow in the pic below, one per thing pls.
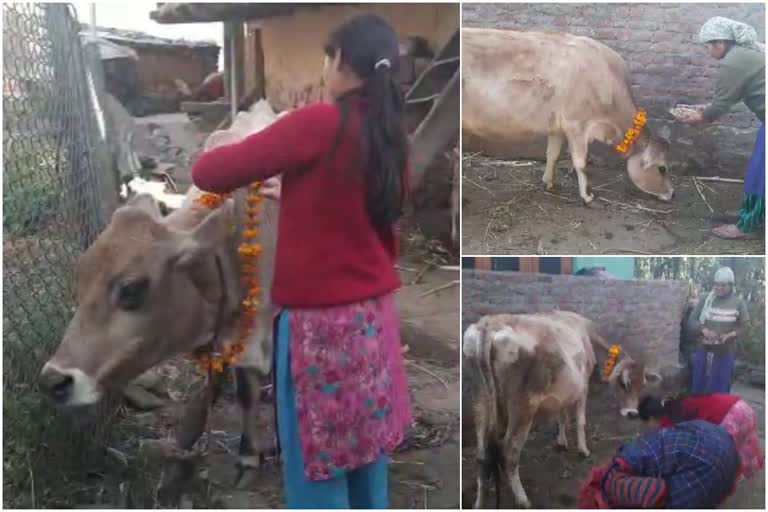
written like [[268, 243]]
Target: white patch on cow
[[471, 345], [525, 341], [85, 390], [626, 411], [249, 461]]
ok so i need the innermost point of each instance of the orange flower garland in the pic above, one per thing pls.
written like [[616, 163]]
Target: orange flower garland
[[613, 355], [249, 252], [633, 133]]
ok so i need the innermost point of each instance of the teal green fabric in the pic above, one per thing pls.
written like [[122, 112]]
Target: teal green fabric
[[752, 213]]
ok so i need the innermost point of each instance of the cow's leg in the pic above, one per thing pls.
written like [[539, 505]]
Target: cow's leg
[[517, 434], [581, 423], [578, 146], [247, 391], [554, 147], [485, 455], [562, 428]]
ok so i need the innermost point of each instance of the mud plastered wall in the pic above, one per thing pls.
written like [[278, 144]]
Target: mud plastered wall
[[667, 65], [644, 317]]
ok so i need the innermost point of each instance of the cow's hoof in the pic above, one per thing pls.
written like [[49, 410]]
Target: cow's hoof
[[585, 453], [524, 504], [551, 186], [562, 447], [588, 199]]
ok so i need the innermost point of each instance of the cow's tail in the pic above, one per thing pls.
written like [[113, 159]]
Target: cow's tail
[[478, 347]]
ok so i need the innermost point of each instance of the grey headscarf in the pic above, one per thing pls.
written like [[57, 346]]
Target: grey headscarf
[[726, 29]]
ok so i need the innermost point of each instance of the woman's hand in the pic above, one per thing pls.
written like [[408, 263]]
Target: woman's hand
[[725, 338], [709, 334], [694, 118], [271, 188]]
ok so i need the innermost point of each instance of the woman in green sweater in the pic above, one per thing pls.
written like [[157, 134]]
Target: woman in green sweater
[[720, 319], [741, 78]]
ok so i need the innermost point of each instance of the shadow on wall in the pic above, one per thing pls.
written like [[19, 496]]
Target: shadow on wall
[[666, 64]]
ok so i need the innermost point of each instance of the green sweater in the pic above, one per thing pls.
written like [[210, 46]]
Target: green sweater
[[741, 77], [727, 314]]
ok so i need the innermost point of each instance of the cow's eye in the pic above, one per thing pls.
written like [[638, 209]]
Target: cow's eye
[[663, 169], [131, 295]]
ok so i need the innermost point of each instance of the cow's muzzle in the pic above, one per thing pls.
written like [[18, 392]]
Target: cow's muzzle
[[68, 387], [629, 413]]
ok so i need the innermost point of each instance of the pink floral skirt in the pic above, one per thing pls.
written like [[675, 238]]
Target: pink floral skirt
[[350, 383], [741, 423]]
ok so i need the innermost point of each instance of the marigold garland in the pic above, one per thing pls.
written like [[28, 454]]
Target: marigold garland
[[631, 135], [613, 356], [249, 251]]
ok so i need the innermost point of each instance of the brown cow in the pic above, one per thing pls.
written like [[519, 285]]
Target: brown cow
[[520, 85], [531, 365], [152, 287]]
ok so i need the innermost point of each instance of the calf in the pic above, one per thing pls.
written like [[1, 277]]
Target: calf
[[517, 86], [531, 365]]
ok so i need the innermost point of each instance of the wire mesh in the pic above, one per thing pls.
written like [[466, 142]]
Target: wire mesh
[[58, 189]]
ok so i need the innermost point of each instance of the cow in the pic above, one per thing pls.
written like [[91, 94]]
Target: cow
[[533, 365], [151, 287], [517, 86]]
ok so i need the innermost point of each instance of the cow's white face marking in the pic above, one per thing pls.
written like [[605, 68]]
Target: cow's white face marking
[[628, 411], [84, 391]]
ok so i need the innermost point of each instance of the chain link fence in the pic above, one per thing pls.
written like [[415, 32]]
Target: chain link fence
[[58, 193]]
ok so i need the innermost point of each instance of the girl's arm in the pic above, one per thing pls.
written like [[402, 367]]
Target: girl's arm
[[288, 144]]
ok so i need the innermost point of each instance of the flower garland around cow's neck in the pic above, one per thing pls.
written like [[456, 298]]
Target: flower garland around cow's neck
[[249, 252], [633, 133], [613, 356]]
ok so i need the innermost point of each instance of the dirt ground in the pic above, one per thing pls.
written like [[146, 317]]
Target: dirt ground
[[506, 210], [552, 478]]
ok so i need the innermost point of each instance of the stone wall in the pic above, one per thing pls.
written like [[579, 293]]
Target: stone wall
[[644, 317], [667, 65]]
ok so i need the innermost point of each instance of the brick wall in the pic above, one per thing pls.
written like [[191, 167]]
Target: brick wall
[[642, 316], [667, 65]]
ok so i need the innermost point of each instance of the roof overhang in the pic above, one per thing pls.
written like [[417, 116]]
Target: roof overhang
[[189, 12]]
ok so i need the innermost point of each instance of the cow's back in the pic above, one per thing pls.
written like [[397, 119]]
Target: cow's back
[[520, 85], [543, 359]]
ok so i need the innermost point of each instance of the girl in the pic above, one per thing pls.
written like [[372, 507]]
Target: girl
[[341, 390], [729, 411], [741, 78]]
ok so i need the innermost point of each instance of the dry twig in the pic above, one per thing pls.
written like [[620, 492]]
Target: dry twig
[[701, 193], [717, 178], [439, 288], [428, 372], [634, 206], [479, 186]]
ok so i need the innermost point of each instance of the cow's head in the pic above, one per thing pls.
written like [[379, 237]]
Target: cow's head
[[145, 292], [628, 380], [647, 167]]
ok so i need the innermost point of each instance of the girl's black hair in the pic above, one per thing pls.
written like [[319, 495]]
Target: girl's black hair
[[370, 48], [652, 407]]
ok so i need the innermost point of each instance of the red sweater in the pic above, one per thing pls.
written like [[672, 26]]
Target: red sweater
[[711, 408], [328, 251]]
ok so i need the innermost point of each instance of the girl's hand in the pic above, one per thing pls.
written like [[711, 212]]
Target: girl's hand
[[271, 188]]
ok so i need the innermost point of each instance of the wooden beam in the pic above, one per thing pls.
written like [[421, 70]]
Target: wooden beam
[[566, 265], [483, 263], [529, 264]]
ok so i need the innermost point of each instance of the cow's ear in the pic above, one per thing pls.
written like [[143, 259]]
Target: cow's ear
[[212, 232], [652, 377]]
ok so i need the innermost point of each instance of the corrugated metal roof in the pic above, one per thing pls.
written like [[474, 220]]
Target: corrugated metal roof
[[134, 38], [188, 12]]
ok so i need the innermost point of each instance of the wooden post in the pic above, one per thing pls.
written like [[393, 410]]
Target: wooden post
[[566, 265], [482, 263], [529, 264]]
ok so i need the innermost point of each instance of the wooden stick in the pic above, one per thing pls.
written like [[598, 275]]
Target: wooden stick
[[428, 372], [441, 287], [701, 193], [637, 206], [479, 186], [718, 178]]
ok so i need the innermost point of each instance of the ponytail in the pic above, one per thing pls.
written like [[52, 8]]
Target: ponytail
[[385, 147]]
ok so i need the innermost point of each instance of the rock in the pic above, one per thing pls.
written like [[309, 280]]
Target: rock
[[142, 399]]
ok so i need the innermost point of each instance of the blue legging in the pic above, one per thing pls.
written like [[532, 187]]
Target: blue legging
[[711, 372], [365, 487]]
